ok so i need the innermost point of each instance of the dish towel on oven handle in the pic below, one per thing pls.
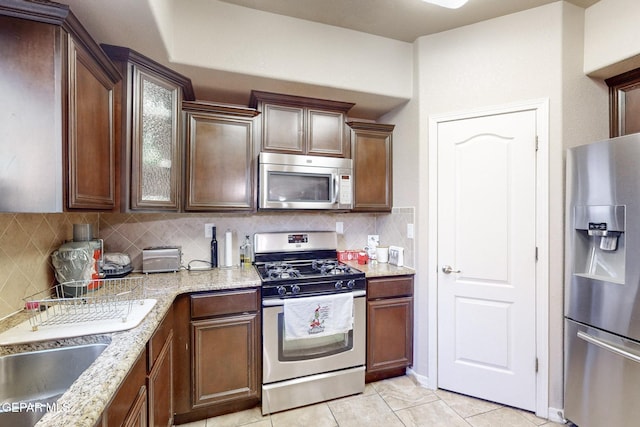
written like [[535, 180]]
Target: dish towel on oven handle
[[318, 316]]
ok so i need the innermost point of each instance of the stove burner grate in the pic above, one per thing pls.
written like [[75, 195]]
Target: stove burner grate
[[281, 270], [330, 267]]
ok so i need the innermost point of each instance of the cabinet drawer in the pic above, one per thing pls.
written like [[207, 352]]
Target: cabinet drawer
[[389, 287], [216, 304]]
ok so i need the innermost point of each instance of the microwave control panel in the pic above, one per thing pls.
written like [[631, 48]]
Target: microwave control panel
[[346, 190]]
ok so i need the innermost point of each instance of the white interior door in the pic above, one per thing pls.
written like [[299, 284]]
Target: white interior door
[[487, 257]]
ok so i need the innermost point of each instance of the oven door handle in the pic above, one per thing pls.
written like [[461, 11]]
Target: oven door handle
[[276, 302]]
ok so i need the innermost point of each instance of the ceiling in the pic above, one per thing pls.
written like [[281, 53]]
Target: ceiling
[[404, 20]]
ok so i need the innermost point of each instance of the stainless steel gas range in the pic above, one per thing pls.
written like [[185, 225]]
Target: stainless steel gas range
[[314, 320]]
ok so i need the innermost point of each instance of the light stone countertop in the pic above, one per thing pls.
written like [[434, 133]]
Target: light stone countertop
[[379, 269], [83, 403]]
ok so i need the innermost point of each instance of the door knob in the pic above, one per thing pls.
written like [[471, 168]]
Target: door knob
[[447, 269]]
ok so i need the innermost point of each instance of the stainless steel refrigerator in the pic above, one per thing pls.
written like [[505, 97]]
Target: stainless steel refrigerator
[[602, 284]]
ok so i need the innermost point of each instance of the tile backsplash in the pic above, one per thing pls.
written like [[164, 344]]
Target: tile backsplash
[[130, 233], [27, 240], [26, 244]]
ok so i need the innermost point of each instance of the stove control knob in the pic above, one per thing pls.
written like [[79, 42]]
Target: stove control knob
[[339, 284], [281, 290], [351, 283], [295, 289]]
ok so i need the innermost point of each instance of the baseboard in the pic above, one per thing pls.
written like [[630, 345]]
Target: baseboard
[[421, 379], [557, 415]]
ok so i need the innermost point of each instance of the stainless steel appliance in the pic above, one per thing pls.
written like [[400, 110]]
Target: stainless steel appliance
[[302, 268], [289, 181], [161, 259], [602, 301]]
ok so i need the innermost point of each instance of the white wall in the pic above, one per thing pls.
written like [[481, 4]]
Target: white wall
[[524, 56], [408, 173], [222, 36], [612, 39]]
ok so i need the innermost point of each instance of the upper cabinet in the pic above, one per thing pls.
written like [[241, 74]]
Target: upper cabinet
[[372, 166], [220, 161], [59, 145], [300, 125], [150, 100], [624, 103]]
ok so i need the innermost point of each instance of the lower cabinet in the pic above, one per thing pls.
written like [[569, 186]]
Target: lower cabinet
[[389, 326], [145, 397], [160, 374], [217, 353], [129, 406], [137, 416]]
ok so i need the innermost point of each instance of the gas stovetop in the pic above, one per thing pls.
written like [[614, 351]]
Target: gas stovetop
[[274, 271], [300, 264], [283, 279]]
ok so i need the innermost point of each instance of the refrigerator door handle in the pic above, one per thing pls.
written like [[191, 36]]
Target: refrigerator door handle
[[607, 346]]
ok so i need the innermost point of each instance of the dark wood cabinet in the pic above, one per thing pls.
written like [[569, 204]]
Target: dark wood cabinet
[[389, 326], [137, 416], [59, 122], [149, 99], [221, 383], [218, 355], [371, 151], [145, 397], [129, 406], [301, 125], [624, 103], [91, 153], [220, 157], [160, 374]]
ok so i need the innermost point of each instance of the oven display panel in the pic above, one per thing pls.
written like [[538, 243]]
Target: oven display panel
[[298, 238]]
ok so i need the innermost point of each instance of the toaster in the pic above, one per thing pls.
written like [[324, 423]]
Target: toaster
[[161, 259]]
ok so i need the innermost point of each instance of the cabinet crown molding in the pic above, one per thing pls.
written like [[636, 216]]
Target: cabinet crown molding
[[371, 126], [61, 15], [125, 54], [209, 107], [258, 97]]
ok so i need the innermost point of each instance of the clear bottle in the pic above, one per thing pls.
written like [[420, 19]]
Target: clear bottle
[[246, 252]]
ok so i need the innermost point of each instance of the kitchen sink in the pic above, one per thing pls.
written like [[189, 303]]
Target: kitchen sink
[[32, 382]]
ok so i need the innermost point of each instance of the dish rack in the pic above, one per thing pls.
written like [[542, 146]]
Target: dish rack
[[79, 301]]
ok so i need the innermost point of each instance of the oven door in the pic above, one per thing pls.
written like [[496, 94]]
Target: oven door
[[287, 359], [304, 182]]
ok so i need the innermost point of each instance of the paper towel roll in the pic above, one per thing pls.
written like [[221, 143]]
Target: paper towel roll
[[228, 249]]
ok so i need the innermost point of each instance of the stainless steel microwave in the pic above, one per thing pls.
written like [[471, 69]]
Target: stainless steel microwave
[[291, 181]]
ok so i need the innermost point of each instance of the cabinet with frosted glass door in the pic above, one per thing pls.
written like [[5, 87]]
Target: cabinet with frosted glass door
[[151, 101]]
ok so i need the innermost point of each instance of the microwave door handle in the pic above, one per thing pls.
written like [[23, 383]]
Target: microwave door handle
[[335, 189]]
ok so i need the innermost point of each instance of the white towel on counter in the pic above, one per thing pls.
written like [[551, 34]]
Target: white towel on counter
[[318, 316]]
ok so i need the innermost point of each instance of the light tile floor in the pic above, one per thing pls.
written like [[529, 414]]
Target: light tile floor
[[389, 403]]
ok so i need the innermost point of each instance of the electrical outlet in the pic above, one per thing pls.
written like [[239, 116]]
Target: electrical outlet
[[208, 230], [340, 227], [409, 231]]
